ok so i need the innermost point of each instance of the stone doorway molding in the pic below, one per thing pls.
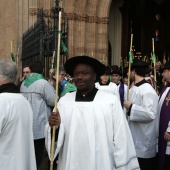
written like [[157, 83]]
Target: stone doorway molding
[[88, 27]]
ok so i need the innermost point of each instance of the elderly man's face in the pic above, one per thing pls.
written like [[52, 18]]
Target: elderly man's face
[[84, 77]]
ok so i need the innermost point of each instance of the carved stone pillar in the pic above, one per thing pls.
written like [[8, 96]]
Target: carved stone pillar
[[88, 27]]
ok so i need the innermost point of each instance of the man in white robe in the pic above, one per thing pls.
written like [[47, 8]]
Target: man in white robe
[[93, 134], [142, 105], [122, 88], [16, 123], [105, 84]]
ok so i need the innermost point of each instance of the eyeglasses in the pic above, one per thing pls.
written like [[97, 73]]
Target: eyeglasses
[[63, 75]]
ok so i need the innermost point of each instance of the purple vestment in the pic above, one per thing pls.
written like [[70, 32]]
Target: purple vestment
[[163, 124], [122, 92]]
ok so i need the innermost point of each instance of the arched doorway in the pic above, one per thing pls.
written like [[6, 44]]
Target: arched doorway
[[146, 19]]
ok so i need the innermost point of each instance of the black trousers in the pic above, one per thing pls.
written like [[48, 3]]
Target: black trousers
[[167, 162], [54, 163], [39, 146], [147, 163]]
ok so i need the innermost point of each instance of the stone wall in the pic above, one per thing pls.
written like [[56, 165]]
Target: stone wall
[[88, 25], [8, 27]]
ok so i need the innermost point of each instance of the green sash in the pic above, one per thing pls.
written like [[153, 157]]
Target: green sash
[[32, 78]]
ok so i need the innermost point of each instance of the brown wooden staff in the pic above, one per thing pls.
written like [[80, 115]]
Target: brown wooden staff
[[56, 96], [17, 58], [52, 71], [154, 62], [129, 71], [129, 67], [52, 63]]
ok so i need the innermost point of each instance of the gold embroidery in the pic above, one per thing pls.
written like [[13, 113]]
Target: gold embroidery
[[167, 99]]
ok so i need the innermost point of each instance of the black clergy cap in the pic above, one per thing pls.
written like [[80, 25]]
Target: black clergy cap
[[116, 70], [71, 63], [139, 63], [107, 70], [166, 66]]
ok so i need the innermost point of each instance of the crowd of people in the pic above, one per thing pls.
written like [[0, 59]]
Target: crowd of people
[[102, 122]]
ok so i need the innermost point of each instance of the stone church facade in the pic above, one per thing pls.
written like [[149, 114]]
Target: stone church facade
[[98, 28], [88, 25]]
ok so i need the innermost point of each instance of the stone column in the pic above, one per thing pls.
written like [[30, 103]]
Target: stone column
[[115, 31]]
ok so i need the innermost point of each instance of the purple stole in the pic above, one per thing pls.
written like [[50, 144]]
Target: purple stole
[[163, 124], [122, 92]]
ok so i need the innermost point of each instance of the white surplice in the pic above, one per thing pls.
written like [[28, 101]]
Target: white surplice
[[110, 88], [93, 135], [143, 119], [16, 133]]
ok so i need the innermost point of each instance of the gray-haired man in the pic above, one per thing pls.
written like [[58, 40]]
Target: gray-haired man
[[16, 121]]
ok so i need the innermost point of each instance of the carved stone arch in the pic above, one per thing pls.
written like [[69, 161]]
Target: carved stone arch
[[79, 28], [88, 27], [102, 30]]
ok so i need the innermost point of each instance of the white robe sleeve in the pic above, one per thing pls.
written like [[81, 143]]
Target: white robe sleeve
[[146, 111], [59, 142], [3, 118], [125, 98], [124, 151], [116, 91]]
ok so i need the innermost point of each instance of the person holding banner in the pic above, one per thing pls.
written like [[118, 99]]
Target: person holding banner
[[142, 111], [93, 133]]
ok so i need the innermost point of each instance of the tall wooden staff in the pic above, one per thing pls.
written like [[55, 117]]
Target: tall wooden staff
[[11, 46], [52, 66], [52, 63], [12, 55], [17, 57], [154, 62], [130, 62], [56, 97]]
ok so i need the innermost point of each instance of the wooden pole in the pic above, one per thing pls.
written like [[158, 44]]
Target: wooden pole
[[129, 71], [52, 65], [153, 47], [129, 68], [56, 97], [154, 62], [17, 57], [11, 46]]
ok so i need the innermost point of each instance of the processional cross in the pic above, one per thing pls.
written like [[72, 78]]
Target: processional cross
[[167, 99]]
